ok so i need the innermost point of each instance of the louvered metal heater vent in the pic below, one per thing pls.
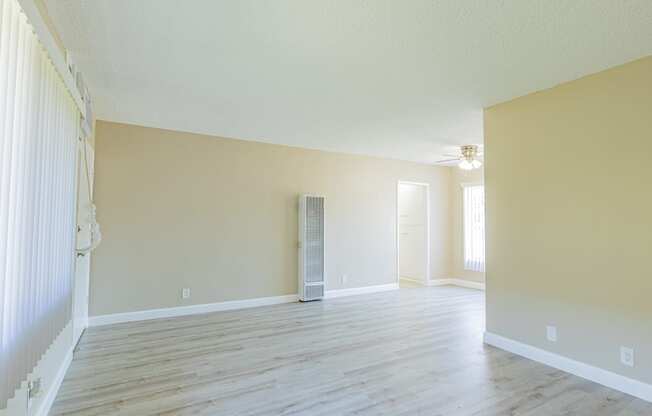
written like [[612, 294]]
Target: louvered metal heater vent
[[311, 247]]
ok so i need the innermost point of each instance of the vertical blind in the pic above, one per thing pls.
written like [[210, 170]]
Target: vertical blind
[[474, 228], [38, 139]]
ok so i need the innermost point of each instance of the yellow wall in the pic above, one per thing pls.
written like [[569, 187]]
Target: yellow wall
[[219, 216], [569, 218]]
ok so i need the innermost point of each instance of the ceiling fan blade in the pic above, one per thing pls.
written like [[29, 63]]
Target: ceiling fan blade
[[448, 160]]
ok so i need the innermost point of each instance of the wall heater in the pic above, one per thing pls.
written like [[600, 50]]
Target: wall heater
[[311, 247]]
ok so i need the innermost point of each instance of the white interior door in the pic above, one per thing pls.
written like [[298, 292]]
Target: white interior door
[[413, 231]]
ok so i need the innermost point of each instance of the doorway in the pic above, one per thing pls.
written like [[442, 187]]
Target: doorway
[[413, 219]]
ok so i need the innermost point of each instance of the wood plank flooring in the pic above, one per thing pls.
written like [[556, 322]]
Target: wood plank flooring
[[415, 351]]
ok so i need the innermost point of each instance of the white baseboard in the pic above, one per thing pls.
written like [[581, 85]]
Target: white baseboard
[[598, 375], [415, 281], [457, 282], [116, 318], [188, 310], [48, 401], [360, 290], [51, 369]]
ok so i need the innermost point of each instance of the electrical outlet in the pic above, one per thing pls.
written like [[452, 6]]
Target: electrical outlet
[[185, 293], [627, 356], [551, 333], [344, 278]]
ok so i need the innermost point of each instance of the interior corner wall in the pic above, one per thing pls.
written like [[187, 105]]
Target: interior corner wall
[[458, 178], [569, 231], [219, 216]]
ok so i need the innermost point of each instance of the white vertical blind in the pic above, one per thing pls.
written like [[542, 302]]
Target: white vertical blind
[[38, 139], [474, 228]]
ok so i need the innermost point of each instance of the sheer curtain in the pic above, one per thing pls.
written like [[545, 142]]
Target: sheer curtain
[[38, 139], [474, 228]]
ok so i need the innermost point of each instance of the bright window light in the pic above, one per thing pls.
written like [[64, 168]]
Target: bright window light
[[474, 228]]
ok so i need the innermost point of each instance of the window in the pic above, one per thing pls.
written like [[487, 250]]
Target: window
[[38, 149], [474, 228]]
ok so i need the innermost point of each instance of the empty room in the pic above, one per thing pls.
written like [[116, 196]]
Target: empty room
[[325, 207]]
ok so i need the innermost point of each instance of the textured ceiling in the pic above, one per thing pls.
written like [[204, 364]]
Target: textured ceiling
[[400, 79]]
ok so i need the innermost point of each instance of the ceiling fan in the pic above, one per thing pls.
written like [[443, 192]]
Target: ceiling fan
[[468, 159]]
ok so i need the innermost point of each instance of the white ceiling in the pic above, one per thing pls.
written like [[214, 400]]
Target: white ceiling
[[400, 79]]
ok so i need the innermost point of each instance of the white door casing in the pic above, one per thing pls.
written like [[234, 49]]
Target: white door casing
[[82, 269], [413, 231]]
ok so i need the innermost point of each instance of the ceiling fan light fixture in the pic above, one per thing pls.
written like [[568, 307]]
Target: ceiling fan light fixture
[[465, 165], [469, 164], [469, 159]]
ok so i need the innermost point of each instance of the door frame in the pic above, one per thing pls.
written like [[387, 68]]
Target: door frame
[[81, 278], [398, 229]]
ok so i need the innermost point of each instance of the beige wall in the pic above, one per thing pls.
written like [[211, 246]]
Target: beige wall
[[219, 216], [569, 203], [459, 177]]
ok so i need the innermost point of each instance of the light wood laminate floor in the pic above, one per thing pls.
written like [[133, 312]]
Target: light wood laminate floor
[[406, 352]]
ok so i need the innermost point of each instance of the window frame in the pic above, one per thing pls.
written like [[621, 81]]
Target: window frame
[[464, 227]]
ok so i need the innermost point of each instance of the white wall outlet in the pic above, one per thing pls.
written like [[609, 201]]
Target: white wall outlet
[[344, 278], [185, 293], [551, 333], [627, 356]]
